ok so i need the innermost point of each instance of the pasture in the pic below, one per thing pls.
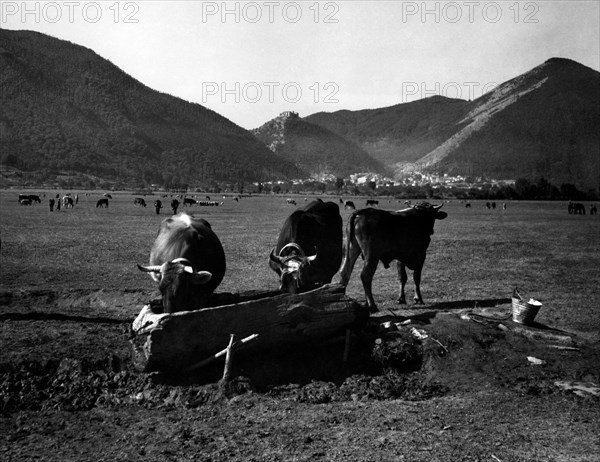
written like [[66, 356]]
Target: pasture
[[69, 288]]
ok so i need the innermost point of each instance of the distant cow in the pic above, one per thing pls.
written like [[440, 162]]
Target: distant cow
[[24, 201], [68, 202], [309, 248], [188, 262], [174, 206], [31, 197], [51, 204], [349, 205], [209, 203], [139, 202], [291, 201], [157, 206], [188, 201], [379, 235], [593, 209], [372, 202], [102, 203]]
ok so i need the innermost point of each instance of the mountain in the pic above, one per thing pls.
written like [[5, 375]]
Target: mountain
[[400, 133], [64, 108], [315, 149], [543, 123]]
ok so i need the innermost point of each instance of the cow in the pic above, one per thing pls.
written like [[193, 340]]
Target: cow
[[24, 201], [68, 202], [309, 248], [51, 204], [188, 201], [157, 206], [101, 202], [291, 201], [174, 206], [593, 209], [188, 262], [380, 235], [139, 202], [349, 205], [31, 197], [372, 202]]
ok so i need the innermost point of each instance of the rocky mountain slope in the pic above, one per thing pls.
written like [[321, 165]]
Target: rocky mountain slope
[[315, 149], [543, 123]]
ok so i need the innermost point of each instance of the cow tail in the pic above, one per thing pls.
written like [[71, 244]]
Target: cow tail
[[347, 264]]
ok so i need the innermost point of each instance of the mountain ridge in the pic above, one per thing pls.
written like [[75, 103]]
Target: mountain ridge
[[542, 123]]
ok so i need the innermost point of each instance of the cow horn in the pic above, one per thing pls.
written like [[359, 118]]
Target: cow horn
[[311, 258], [437, 207], [150, 269], [277, 259], [292, 245]]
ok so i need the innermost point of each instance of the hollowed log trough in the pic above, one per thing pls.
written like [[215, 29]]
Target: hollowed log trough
[[163, 342]]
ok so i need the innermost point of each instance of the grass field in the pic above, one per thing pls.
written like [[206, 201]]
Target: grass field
[[476, 254], [69, 289]]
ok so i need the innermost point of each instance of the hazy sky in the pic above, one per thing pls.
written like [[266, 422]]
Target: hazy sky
[[249, 61]]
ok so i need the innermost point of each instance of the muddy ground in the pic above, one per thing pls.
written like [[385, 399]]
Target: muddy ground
[[466, 391]]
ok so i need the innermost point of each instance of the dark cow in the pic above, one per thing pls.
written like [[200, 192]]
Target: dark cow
[[101, 202], [188, 201], [188, 262], [157, 206], [139, 202], [291, 201], [51, 204], [593, 209], [174, 206], [349, 205], [379, 235], [372, 202], [317, 231], [31, 197]]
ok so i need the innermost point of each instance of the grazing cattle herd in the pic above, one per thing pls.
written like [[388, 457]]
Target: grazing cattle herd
[[188, 262]]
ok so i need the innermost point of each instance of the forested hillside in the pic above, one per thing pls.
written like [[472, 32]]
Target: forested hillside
[[64, 108]]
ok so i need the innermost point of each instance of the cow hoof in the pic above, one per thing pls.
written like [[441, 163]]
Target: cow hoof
[[419, 302], [401, 301], [373, 309]]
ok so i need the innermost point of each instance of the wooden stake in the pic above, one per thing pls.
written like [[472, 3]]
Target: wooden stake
[[228, 360], [209, 360]]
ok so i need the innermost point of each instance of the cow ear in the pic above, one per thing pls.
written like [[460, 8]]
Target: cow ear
[[440, 215], [201, 277]]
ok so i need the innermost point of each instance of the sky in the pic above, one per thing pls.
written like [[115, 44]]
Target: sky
[[251, 60]]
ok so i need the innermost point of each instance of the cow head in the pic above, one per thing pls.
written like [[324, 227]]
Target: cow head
[[179, 283], [293, 268], [433, 213]]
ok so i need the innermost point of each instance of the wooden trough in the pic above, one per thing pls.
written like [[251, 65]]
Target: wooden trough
[[177, 341]]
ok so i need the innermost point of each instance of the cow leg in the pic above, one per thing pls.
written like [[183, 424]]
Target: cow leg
[[402, 278], [417, 278], [366, 276], [348, 264]]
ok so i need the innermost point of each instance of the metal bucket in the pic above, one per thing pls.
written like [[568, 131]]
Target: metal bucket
[[524, 312]]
